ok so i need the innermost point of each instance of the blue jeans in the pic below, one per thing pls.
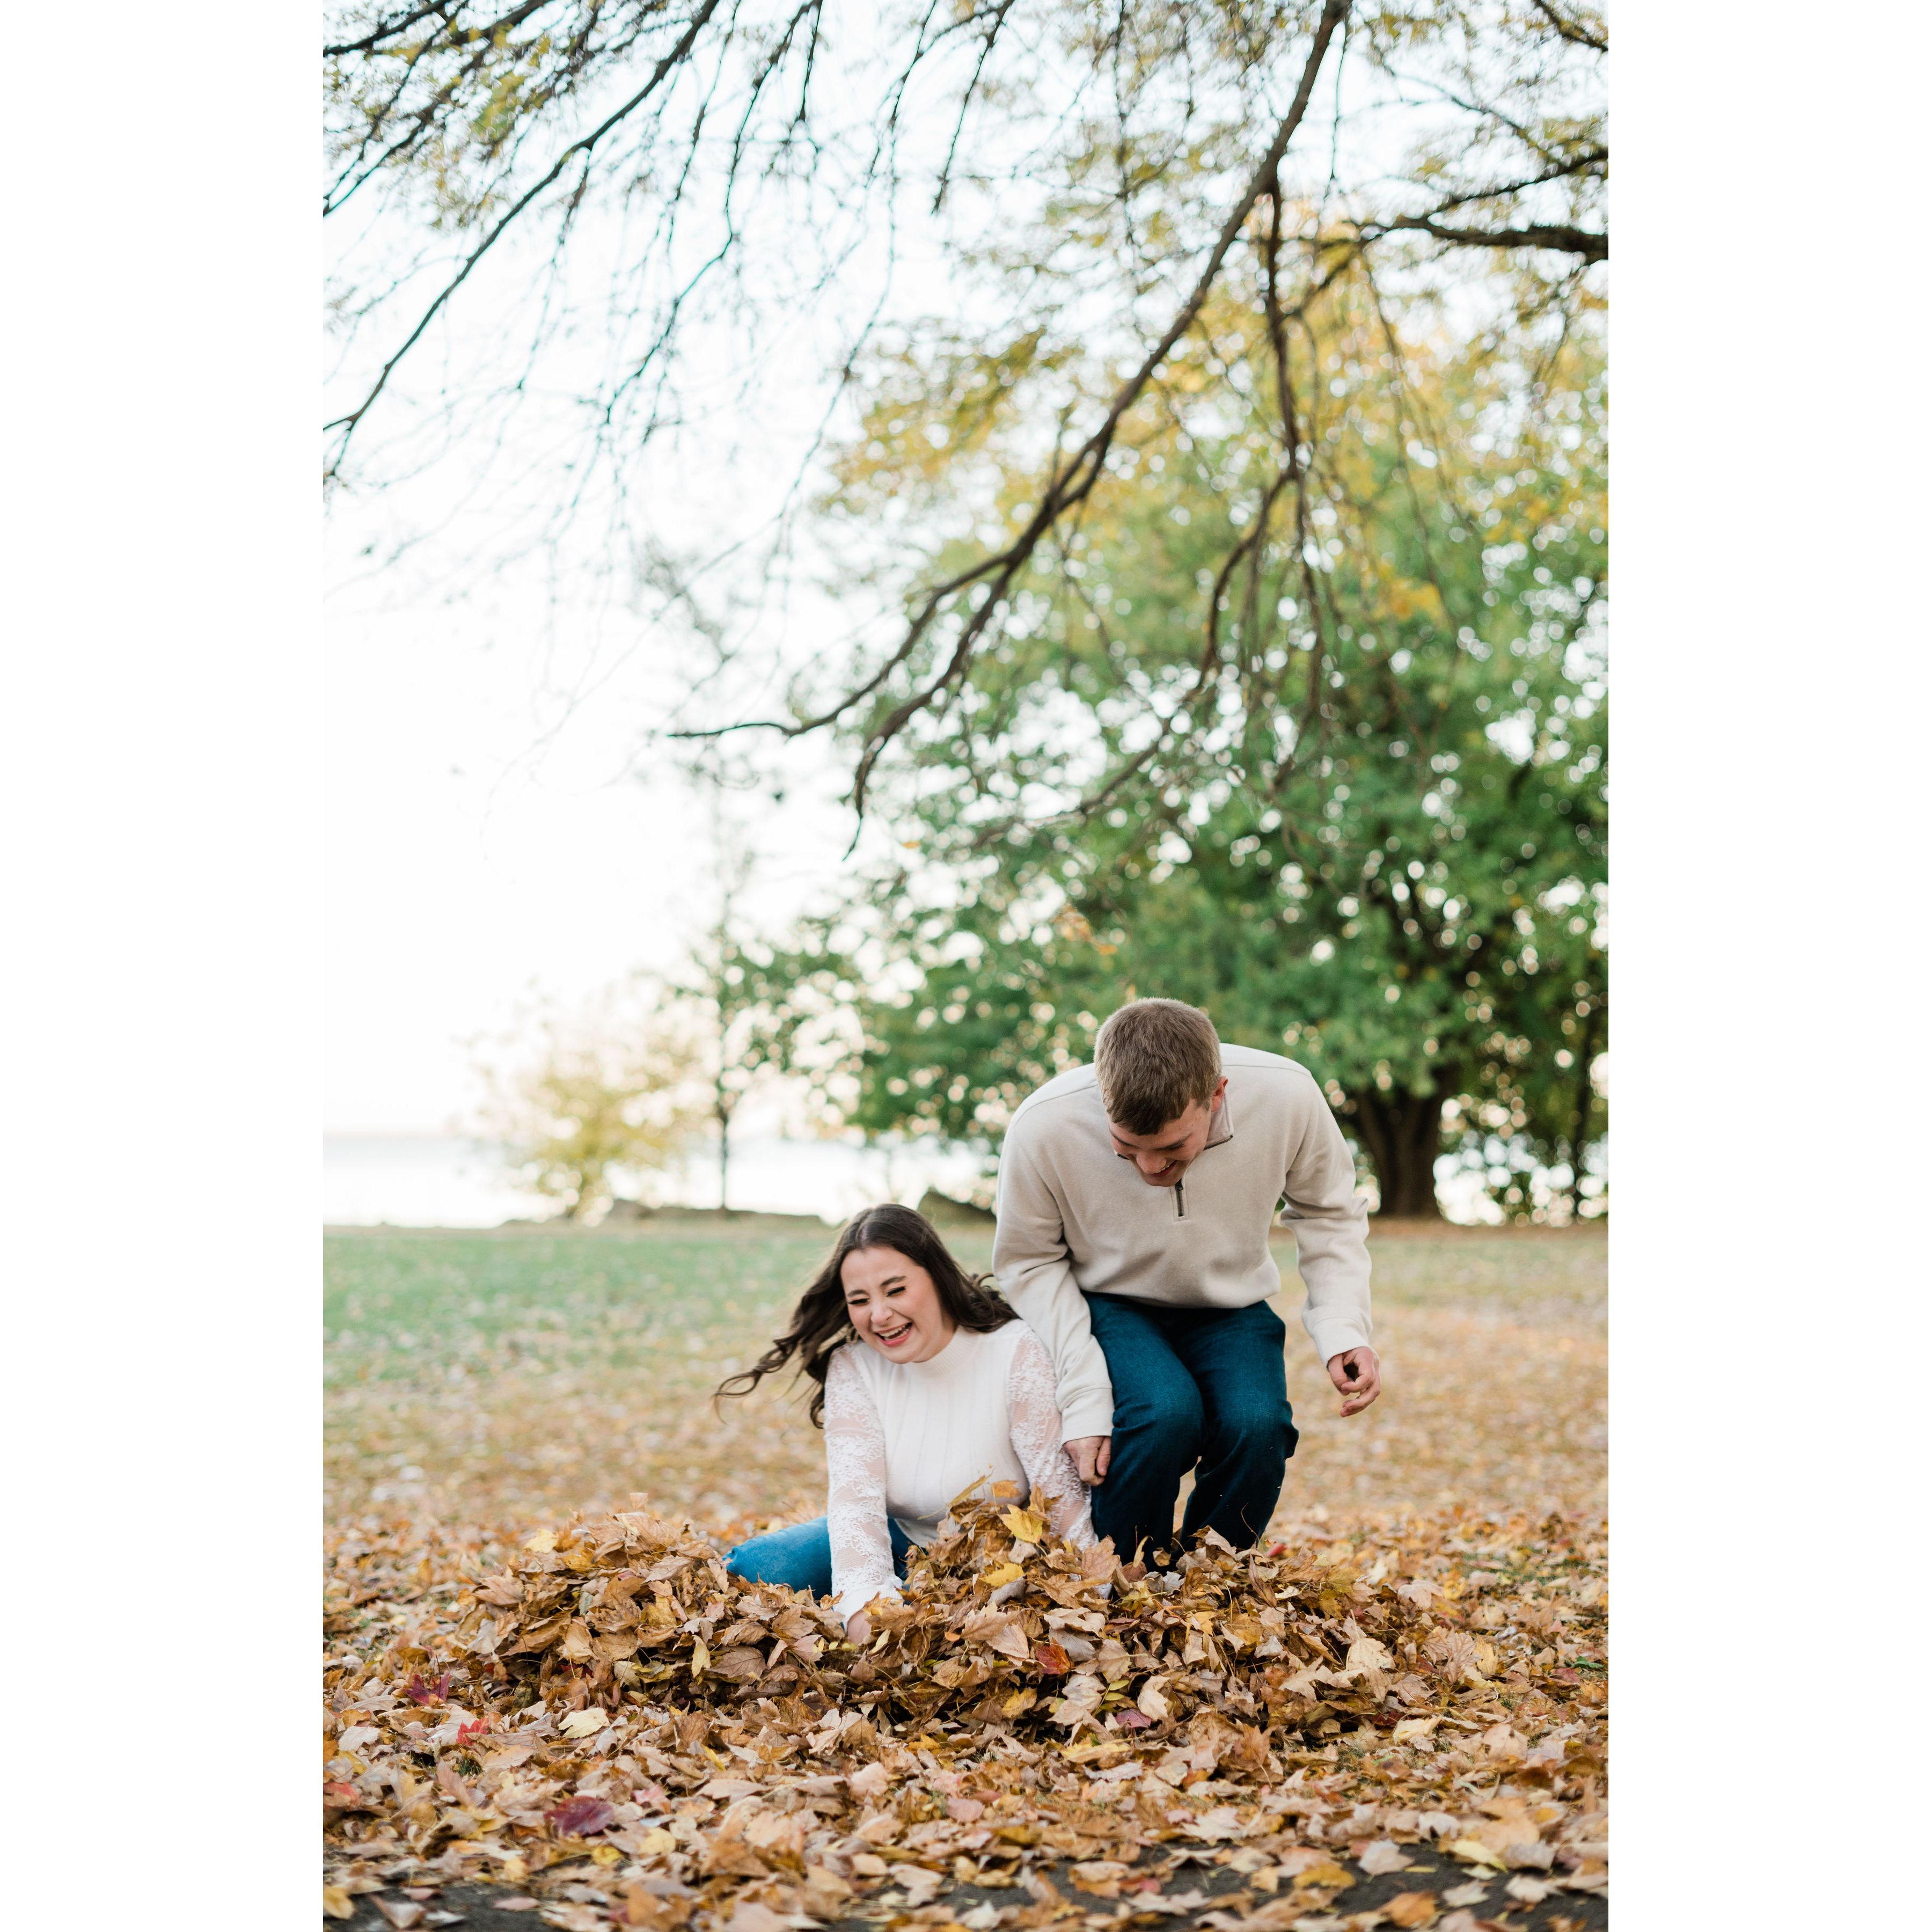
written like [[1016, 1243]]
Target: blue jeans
[[799, 1557], [1205, 1386]]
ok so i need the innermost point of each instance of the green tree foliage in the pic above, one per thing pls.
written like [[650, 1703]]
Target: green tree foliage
[[1358, 815]]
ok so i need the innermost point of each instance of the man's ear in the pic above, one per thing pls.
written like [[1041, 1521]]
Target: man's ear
[[1214, 1098]]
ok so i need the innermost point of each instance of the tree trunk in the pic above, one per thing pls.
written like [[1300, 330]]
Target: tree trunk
[[1579, 1135], [1403, 1135]]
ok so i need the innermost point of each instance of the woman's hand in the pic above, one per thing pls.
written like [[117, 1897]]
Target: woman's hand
[[859, 1628]]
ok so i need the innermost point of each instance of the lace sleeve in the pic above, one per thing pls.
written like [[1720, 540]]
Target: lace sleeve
[[1032, 1422], [855, 1502]]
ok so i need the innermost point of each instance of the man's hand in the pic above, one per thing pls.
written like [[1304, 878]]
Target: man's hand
[[859, 1628], [1091, 1455], [1358, 1376]]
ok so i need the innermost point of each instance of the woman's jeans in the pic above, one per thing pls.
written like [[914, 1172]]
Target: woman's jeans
[[800, 1557], [1205, 1386]]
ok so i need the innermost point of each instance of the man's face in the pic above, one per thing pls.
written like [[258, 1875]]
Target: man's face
[[1161, 1158]]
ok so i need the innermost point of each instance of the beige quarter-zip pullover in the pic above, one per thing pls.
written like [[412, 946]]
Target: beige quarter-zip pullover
[[1073, 1216]]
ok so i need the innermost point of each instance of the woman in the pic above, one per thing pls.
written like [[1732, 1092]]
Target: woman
[[929, 1385]]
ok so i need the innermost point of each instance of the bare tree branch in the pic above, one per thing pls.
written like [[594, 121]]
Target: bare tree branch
[[1574, 31], [579, 149], [1566, 241], [1071, 483]]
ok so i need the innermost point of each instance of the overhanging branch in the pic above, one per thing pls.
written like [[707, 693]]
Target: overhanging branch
[[578, 150], [1562, 239], [1072, 482]]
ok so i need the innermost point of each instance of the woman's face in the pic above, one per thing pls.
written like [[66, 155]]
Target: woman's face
[[893, 1305]]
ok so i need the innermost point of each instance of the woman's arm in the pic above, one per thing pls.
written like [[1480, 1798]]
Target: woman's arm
[[855, 1500], [1034, 1424]]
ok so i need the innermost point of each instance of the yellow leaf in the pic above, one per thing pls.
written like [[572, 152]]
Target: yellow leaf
[[1476, 1852], [1408, 1909], [1021, 1700], [1004, 1573], [607, 1855], [583, 1723], [336, 1903], [1026, 1527], [655, 1843], [1411, 1729], [700, 1658], [1365, 1654], [1085, 1753], [544, 1540]]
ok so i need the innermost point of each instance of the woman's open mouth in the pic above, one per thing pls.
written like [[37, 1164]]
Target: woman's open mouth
[[890, 1336]]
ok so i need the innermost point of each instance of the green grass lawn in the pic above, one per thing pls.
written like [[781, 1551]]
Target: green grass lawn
[[515, 1374], [399, 1305]]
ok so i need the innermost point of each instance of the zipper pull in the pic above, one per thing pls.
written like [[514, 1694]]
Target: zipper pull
[[1181, 1200]]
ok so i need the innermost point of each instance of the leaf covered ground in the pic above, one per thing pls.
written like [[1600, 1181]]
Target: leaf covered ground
[[580, 1709]]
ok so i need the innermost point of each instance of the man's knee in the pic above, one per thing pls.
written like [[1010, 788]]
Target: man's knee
[[1164, 1424], [1256, 1430]]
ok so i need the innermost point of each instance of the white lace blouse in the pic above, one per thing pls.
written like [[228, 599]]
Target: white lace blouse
[[904, 1439]]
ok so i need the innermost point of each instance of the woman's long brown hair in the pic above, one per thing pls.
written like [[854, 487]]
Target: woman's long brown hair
[[820, 1324]]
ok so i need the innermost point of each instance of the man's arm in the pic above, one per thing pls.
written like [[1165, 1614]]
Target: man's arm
[[1035, 1274], [1331, 1237]]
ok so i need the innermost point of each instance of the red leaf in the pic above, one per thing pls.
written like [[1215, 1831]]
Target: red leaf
[[1132, 1719], [418, 1692], [1053, 1661], [581, 1817], [475, 1728]]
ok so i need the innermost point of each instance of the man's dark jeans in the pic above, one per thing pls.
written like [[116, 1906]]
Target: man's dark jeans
[[1192, 1385]]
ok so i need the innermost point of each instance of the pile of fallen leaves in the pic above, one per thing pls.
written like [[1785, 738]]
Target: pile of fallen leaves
[[607, 1719]]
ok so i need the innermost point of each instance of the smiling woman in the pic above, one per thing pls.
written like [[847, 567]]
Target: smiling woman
[[929, 1387], [894, 1306]]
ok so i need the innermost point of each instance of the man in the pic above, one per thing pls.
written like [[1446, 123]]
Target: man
[[1135, 1197]]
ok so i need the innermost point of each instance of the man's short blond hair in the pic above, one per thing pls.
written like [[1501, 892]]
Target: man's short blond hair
[[1154, 1059]]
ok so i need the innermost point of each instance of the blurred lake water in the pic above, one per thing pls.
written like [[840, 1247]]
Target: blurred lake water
[[444, 1181]]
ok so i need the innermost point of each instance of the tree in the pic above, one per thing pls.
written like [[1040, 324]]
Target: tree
[[722, 982], [605, 1091], [747, 175], [1360, 819]]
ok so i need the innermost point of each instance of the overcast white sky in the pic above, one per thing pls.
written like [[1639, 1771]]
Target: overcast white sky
[[476, 850]]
